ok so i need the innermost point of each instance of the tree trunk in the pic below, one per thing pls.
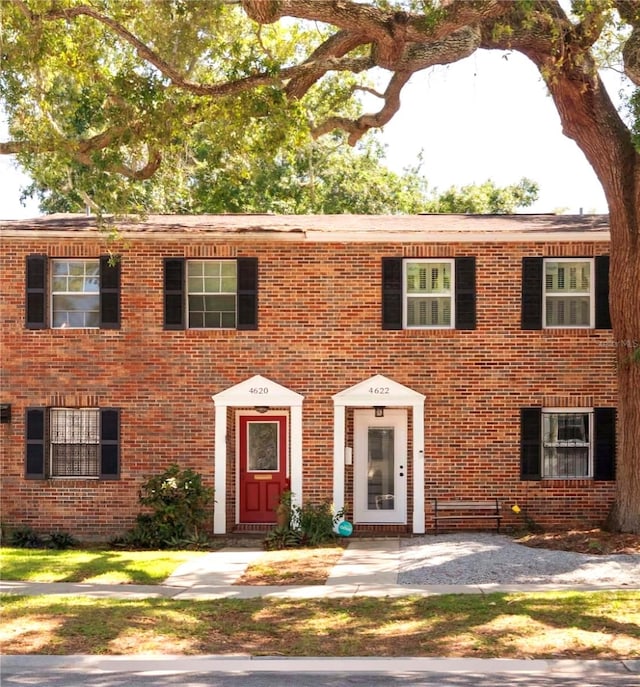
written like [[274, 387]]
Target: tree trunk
[[625, 315]]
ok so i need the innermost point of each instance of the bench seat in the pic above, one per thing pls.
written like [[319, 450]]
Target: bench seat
[[467, 510]]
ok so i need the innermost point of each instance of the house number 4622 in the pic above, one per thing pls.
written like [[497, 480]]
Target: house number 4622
[[379, 390]]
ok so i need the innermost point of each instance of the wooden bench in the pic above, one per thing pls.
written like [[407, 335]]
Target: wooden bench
[[466, 510]]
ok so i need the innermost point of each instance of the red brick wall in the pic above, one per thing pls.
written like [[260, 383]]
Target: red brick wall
[[319, 333]]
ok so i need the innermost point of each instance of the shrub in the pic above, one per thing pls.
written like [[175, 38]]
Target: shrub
[[281, 537], [26, 538], [178, 501], [315, 522], [311, 524], [61, 541]]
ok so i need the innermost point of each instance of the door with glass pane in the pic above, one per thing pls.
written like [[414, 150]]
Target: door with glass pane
[[263, 466], [380, 466]]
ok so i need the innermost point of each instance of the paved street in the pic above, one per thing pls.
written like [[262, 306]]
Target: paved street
[[207, 671]]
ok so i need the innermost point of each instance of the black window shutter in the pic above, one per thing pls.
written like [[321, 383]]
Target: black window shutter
[[530, 444], [35, 443], [392, 293], [247, 293], [603, 317], [465, 293], [109, 443], [109, 292], [36, 292], [532, 275], [604, 464], [174, 293]]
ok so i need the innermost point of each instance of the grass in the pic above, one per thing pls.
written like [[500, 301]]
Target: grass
[[594, 625], [87, 565], [289, 566], [292, 566]]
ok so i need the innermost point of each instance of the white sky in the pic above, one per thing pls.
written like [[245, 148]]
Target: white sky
[[488, 117]]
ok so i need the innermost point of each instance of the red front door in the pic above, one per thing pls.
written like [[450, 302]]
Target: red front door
[[263, 466]]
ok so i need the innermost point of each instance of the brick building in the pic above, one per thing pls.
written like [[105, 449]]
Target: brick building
[[379, 362]]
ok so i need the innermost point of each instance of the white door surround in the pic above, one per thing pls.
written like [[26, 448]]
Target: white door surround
[[256, 392], [380, 391]]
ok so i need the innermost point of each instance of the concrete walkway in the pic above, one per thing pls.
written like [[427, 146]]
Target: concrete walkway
[[368, 567]]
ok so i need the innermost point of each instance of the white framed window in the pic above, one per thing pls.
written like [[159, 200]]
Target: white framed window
[[212, 294], [568, 289], [75, 293], [428, 294], [567, 443], [74, 435]]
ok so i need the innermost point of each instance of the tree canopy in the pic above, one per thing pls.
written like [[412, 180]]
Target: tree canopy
[[110, 89], [103, 107], [317, 177]]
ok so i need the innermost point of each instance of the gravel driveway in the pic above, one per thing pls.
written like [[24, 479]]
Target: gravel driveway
[[481, 558]]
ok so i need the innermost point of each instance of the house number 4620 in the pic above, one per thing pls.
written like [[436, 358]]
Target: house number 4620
[[260, 390]]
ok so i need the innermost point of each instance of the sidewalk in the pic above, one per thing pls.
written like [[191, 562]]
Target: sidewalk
[[511, 669], [368, 567]]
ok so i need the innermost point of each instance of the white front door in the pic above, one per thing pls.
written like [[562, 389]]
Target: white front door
[[380, 466]]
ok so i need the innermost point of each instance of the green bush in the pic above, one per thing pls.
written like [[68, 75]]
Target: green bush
[[178, 503], [62, 540], [281, 537], [312, 524], [315, 522], [27, 538]]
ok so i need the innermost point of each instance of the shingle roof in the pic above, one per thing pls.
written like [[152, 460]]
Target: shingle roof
[[350, 228]]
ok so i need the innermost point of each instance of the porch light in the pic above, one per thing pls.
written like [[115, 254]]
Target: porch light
[[379, 411], [261, 409]]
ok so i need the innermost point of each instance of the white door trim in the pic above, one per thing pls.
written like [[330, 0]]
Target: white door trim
[[255, 391], [380, 391]]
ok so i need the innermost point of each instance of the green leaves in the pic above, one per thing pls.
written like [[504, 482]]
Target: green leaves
[[178, 503], [124, 107], [485, 198]]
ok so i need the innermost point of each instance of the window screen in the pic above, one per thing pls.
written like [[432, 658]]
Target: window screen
[[568, 293], [428, 293], [75, 439], [566, 444]]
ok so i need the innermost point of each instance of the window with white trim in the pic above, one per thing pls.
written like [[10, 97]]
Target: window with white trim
[[212, 292], [75, 293], [428, 294], [74, 435], [568, 288], [567, 441]]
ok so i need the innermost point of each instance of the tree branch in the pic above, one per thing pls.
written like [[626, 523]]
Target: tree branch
[[81, 151], [15, 147], [377, 23], [357, 128], [337, 45]]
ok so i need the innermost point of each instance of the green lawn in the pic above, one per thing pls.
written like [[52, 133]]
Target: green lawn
[[594, 625], [87, 565]]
